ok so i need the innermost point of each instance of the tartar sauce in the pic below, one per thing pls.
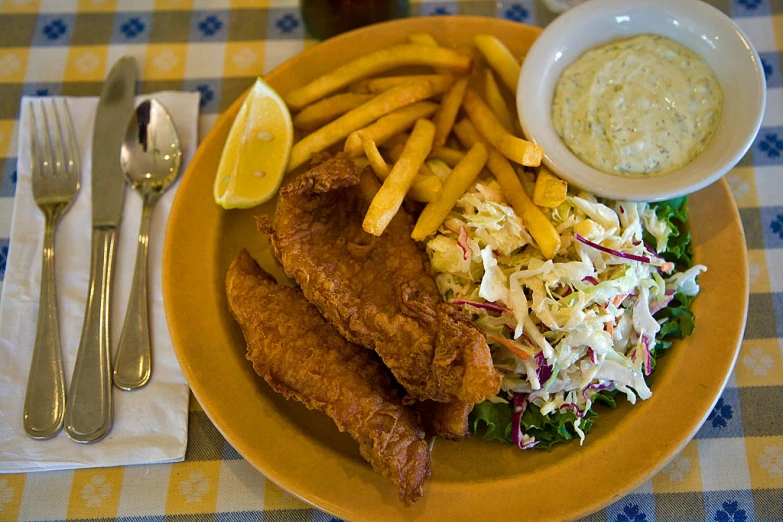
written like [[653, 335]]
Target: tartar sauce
[[641, 105]]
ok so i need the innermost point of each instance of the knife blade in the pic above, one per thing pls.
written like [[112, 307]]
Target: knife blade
[[88, 411], [111, 119]]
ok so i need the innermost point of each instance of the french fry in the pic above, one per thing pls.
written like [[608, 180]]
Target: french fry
[[422, 39], [455, 185], [426, 39], [447, 112], [378, 164], [447, 155], [516, 149], [322, 112], [536, 222], [357, 118], [374, 63], [387, 202], [395, 153], [361, 162], [496, 102], [423, 188], [499, 58], [368, 185], [360, 86], [378, 85], [424, 170], [390, 125], [550, 190], [394, 141], [438, 168]]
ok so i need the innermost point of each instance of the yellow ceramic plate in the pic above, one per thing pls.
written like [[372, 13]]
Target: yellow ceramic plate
[[303, 452]]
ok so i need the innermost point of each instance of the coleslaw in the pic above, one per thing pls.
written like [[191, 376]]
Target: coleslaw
[[574, 330]]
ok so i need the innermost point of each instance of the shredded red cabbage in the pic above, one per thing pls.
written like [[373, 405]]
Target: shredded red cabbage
[[462, 242], [486, 306], [544, 370], [651, 251], [593, 356], [590, 279], [520, 404], [573, 407], [594, 386], [611, 251]]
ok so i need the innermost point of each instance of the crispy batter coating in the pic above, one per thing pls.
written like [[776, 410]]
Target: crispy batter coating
[[303, 357], [448, 420], [378, 291]]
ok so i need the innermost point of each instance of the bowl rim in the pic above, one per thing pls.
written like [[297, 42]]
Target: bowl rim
[[535, 115]]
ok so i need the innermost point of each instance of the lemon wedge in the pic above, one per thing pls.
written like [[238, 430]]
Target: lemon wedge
[[256, 152]]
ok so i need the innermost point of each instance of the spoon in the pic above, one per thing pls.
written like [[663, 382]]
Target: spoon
[[151, 156]]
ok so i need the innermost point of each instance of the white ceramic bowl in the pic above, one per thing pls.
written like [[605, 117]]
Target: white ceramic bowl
[[693, 23]]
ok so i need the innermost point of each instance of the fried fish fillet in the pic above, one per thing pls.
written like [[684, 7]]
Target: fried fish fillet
[[448, 420], [378, 291], [303, 357]]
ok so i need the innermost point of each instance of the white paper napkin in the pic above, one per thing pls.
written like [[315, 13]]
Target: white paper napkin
[[150, 424]]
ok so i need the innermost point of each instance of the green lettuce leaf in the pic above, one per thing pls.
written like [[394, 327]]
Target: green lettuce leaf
[[495, 417], [549, 429], [680, 323], [675, 213]]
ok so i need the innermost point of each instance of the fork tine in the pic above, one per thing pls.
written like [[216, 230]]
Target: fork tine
[[36, 160], [59, 153], [70, 138], [46, 146]]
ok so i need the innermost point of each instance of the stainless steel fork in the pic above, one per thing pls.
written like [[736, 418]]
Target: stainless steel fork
[[54, 161]]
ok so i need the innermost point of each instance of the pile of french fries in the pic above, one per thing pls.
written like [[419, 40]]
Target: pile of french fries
[[398, 124]]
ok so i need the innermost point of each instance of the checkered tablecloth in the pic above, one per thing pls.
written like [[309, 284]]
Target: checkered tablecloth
[[731, 472]]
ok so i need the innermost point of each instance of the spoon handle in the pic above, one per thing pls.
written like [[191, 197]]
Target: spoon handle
[[132, 364]]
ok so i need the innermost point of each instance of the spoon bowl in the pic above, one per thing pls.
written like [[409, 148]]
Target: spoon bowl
[[151, 154], [151, 157]]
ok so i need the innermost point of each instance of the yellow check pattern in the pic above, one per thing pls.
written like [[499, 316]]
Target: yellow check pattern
[[193, 487]]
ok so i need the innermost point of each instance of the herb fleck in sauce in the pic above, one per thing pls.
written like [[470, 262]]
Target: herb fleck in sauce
[[642, 105]]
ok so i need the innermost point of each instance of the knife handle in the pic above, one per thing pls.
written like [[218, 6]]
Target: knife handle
[[88, 413]]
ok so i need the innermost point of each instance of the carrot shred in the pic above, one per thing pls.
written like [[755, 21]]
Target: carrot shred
[[618, 299], [511, 346]]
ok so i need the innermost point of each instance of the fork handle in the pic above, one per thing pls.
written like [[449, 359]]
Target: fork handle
[[44, 403], [132, 365], [89, 409]]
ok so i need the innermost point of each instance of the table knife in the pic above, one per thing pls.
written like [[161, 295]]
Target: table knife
[[88, 412]]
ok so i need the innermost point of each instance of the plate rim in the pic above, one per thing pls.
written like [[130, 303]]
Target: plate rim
[[278, 478]]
